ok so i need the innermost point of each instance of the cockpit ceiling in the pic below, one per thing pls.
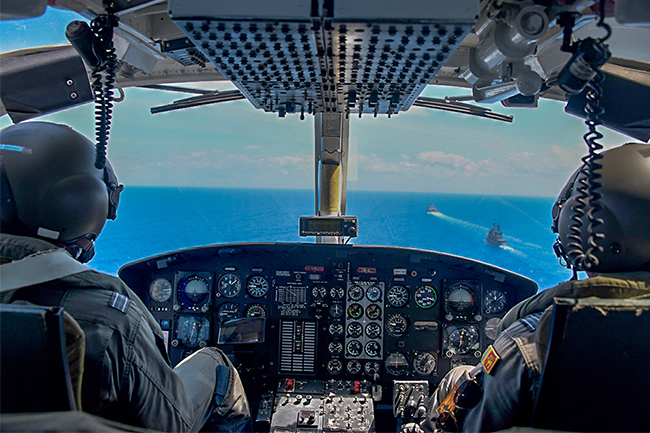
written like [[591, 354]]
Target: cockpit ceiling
[[304, 64]]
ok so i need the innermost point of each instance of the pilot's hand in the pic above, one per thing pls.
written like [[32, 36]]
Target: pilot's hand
[[411, 427]]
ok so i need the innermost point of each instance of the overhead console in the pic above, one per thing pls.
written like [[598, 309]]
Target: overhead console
[[328, 318]]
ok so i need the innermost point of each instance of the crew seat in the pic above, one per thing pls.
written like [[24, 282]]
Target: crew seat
[[595, 376]]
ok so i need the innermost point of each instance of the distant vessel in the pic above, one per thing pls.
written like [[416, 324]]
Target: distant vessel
[[432, 209], [495, 237]]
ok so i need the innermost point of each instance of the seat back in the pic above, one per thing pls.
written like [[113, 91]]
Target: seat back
[[594, 376], [34, 372]]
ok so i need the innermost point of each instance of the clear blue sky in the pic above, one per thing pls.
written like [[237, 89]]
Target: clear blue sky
[[234, 145]]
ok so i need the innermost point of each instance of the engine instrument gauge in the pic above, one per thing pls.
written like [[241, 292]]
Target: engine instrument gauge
[[397, 364], [354, 348], [228, 310], [491, 328], [373, 349], [255, 310], [319, 292], [193, 331], [334, 366], [460, 298], [257, 286], [373, 330], [336, 310], [355, 311], [336, 329], [397, 325], [460, 340], [160, 290], [371, 367], [337, 292], [355, 330], [373, 293], [229, 285], [397, 296], [354, 367], [335, 347], [426, 297], [424, 363], [355, 293], [373, 311], [495, 302], [193, 290]]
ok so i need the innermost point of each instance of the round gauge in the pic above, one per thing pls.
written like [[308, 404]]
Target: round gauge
[[491, 328], [424, 363], [354, 348], [193, 331], [228, 310], [354, 367], [336, 329], [495, 302], [397, 364], [334, 366], [336, 310], [426, 297], [373, 293], [255, 310], [371, 367], [373, 311], [193, 289], [229, 285], [337, 292], [355, 330], [335, 347], [373, 349], [397, 325], [160, 290], [461, 340], [257, 286], [319, 292], [397, 296], [355, 293], [355, 311], [373, 330], [460, 298]]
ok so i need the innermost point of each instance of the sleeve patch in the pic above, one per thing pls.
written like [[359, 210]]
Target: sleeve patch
[[490, 359], [119, 302]]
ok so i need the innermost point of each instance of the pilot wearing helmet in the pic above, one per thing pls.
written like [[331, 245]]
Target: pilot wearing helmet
[[500, 392], [54, 205]]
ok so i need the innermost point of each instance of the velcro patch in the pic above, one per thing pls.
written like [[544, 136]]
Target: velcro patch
[[490, 359], [119, 302]]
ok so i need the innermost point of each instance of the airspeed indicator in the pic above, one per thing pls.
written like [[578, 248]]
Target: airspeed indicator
[[426, 297]]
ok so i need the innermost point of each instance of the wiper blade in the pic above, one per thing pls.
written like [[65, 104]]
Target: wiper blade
[[213, 97], [459, 107]]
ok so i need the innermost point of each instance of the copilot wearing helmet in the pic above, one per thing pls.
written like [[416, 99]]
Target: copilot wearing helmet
[[54, 205], [610, 239]]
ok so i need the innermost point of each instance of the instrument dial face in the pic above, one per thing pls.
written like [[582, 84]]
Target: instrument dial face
[[334, 366], [460, 298], [354, 367], [355, 330], [193, 289], [371, 367], [257, 286], [255, 310], [424, 363], [229, 285], [462, 339], [336, 329], [354, 348], [160, 290], [355, 311], [491, 328], [319, 292], [337, 292], [426, 297], [193, 331], [397, 364], [495, 302], [228, 310], [355, 293], [373, 311], [336, 310], [397, 325], [397, 296], [373, 349], [373, 330], [373, 293], [335, 347]]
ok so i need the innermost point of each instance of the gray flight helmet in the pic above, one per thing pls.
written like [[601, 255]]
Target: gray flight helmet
[[51, 188], [622, 241]]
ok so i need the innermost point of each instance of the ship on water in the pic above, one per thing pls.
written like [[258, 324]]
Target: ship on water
[[432, 209], [495, 237]]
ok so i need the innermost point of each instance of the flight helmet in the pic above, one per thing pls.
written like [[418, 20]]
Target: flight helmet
[[51, 188], [622, 235]]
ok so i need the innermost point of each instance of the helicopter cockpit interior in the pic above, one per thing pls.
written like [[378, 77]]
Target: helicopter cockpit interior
[[331, 336]]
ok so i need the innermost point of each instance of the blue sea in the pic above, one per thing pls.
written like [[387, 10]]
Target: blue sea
[[153, 220]]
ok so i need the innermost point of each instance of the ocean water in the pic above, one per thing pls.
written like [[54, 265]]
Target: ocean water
[[154, 220]]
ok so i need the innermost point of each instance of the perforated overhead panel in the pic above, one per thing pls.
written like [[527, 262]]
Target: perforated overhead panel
[[306, 57]]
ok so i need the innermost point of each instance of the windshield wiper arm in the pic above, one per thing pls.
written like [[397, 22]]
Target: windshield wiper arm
[[196, 101], [459, 107]]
